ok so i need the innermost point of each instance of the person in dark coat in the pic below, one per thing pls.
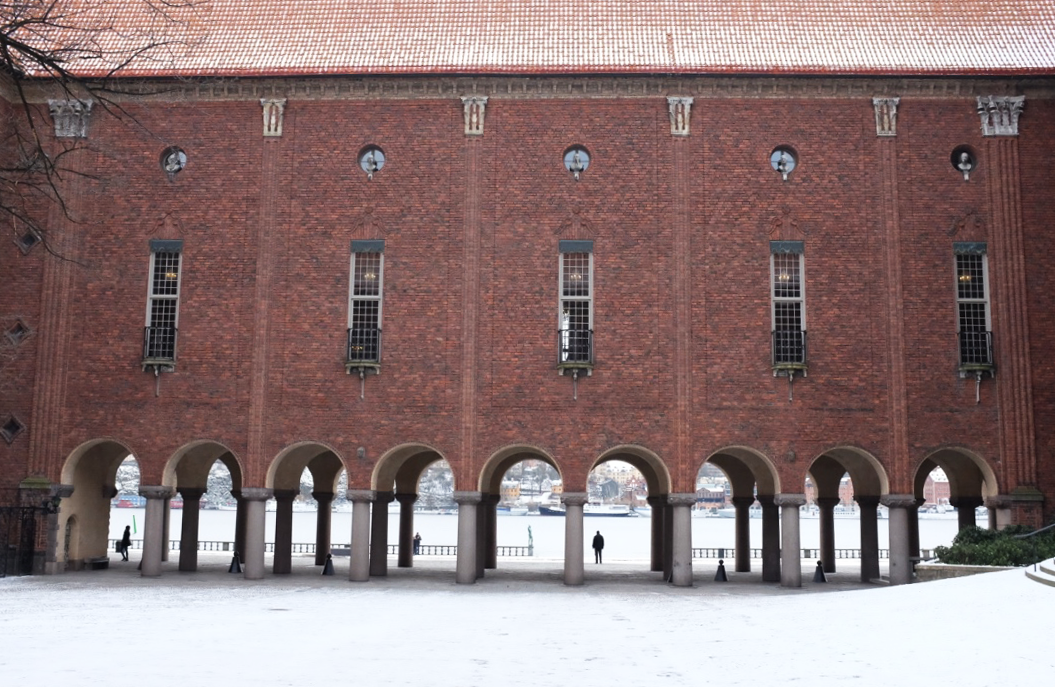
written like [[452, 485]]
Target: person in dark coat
[[126, 542], [598, 546], [417, 543]]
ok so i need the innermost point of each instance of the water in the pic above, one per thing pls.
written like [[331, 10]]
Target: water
[[625, 538]]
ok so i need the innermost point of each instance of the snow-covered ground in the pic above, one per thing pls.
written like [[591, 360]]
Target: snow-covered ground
[[518, 628]]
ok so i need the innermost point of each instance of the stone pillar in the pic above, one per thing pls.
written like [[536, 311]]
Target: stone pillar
[[770, 538], [359, 567], [742, 504], [239, 523], [188, 543], [573, 537], [1000, 511], [481, 535], [153, 529], [56, 493], [255, 499], [681, 539], [406, 530], [900, 562], [379, 534], [166, 537], [466, 566], [827, 525], [668, 540], [283, 561], [657, 504], [323, 524], [913, 529], [965, 515], [491, 544], [869, 506], [790, 548]]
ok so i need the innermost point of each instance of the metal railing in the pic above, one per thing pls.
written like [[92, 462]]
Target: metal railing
[[976, 348], [364, 345], [340, 549], [1030, 535], [159, 343], [789, 347], [575, 346], [806, 553]]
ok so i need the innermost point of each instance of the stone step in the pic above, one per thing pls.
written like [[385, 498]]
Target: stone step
[[1045, 573]]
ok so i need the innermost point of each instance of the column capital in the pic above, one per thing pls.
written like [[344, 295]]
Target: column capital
[[682, 499], [766, 500], [790, 500], [386, 497], [898, 500], [1000, 113], [866, 501], [321, 496], [655, 501], [998, 501], [256, 493], [155, 492], [743, 501], [492, 499], [574, 498], [828, 501], [408, 499], [190, 493], [360, 495], [467, 498], [971, 502], [285, 494]]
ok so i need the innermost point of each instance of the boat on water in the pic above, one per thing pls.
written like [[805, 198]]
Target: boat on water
[[511, 510], [593, 510]]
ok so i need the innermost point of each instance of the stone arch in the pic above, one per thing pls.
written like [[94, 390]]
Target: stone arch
[[90, 470], [319, 459], [748, 470], [970, 475], [648, 463], [495, 468], [401, 467], [866, 472], [189, 466]]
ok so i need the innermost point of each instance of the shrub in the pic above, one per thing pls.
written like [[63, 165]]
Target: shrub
[[977, 546]]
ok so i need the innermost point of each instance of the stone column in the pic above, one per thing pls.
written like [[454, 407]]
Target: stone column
[[466, 566], [900, 563], [770, 538], [188, 543], [255, 499], [668, 540], [999, 511], [283, 561], [965, 515], [790, 548], [153, 529], [681, 539], [406, 530], [827, 525], [481, 535], [166, 537], [239, 523], [56, 493], [573, 537], [323, 525], [379, 534], [359, 567], [491, 544], [743, 532], [657, 503], [913, 529], [869, 506]]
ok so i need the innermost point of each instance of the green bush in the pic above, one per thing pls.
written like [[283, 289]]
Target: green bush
[[977, 546]]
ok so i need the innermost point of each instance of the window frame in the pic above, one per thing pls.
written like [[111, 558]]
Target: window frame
[[150, 349], [565, 360], [980, 250], [359, 249], [783, 250]]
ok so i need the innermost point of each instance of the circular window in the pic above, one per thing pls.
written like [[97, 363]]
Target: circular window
[[371, 160], [173, 160], [576, 160], [784, 160], [964, 160]]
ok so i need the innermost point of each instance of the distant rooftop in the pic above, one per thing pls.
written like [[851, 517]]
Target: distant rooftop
[[539, 37]]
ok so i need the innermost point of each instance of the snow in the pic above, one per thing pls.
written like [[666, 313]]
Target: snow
[[419, 628]]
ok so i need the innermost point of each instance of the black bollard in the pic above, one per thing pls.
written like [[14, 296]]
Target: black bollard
[[818, 574], [328, 568], [236, 565], [720, 575]]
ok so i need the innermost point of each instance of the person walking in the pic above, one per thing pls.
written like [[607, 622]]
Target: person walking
[[417, 543], [598, 546], [126, 542]]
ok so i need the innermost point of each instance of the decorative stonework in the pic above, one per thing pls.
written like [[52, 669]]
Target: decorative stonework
[[680, 110], [70, 117], [1000, 114], [467, 498], [575, 498], [576, 226], [785, 227], [474, 107], [886, 115], [972, 225], [274, 114], [790, 500]]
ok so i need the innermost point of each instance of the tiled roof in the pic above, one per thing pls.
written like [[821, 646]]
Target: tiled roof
[[315, 37]]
